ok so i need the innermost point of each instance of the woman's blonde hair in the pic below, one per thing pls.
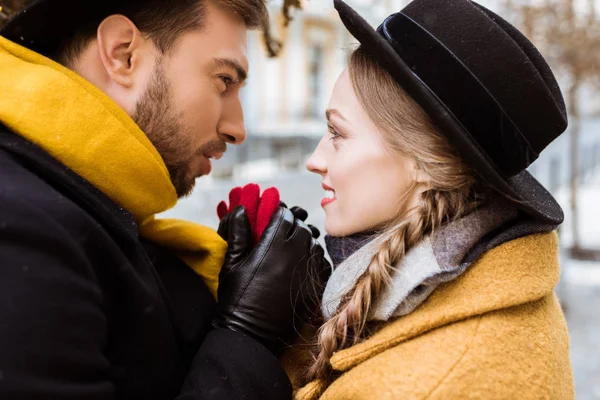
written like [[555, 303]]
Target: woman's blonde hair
[[451, 194]]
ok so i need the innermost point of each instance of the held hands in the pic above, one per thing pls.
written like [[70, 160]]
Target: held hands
[[269, 290], [258, 209]]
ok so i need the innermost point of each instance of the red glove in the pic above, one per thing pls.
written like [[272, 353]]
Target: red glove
[[258, 209]]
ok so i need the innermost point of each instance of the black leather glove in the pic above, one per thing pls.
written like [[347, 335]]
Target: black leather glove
[[270, 290], [298, 212], [301, 214]]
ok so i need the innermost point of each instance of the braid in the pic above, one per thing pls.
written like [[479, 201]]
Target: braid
[[347, 326]]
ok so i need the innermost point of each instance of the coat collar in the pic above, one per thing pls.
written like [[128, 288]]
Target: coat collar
[[117, 219], [517, 272]]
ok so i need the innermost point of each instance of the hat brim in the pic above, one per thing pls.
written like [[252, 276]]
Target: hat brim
[[523, 190]]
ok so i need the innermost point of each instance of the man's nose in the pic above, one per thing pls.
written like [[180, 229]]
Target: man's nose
[[231, 126]]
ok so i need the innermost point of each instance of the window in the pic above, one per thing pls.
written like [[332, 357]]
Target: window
[[315, 81]]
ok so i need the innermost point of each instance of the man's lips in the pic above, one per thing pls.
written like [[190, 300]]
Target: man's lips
[[206, 158], [214, 149], [329, 196], [215, 155], [206, 166]]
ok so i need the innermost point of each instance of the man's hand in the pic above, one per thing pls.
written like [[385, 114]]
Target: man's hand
[[268, 291]]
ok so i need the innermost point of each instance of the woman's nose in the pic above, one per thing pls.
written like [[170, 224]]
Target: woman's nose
[[316, 162]]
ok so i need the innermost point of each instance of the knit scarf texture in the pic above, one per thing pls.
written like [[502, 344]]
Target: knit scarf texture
[[80, 126], [440, 257]]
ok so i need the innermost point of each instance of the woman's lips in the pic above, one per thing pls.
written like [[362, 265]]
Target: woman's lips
[[327, 201], [329, 196]]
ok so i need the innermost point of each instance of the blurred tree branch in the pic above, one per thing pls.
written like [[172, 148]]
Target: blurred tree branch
[[570, 41], [273, 45]]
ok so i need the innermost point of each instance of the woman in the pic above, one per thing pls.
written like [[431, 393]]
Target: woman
[[443, 245]]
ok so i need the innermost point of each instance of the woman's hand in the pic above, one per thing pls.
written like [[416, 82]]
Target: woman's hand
[[259, 209]]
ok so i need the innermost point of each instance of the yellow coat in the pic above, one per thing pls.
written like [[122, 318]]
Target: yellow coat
[[497, 332]]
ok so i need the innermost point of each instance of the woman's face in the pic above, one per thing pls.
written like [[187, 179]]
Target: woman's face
[[366, 183]]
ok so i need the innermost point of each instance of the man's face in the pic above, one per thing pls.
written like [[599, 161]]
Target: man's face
[[191, 105]]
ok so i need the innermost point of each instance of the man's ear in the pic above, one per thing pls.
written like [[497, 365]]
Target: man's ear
[[119, 45]]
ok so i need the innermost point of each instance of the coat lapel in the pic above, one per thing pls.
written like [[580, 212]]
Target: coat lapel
[[517, 272]]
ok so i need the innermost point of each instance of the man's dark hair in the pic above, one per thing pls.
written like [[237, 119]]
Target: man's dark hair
[[163, 22]]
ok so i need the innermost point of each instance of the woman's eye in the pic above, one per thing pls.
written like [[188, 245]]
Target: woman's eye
[[336, 137], [334, 134]]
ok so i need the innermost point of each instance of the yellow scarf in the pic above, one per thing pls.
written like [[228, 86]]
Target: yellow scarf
[[80, 126]]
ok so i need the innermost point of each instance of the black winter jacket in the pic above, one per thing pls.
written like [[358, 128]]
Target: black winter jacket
[[89, 310]]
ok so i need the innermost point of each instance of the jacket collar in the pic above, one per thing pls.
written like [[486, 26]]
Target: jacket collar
[[517, 272], [119, 221]]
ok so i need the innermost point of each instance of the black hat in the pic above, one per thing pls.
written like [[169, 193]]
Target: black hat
[[485, 86], [44, 25]]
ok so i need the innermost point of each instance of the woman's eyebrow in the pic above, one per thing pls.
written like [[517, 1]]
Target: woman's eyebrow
[[332, 111]]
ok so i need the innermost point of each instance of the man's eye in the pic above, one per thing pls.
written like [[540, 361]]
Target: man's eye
[[227, 80]]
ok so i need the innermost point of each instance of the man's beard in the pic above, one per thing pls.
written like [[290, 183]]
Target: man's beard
[[156, 117]]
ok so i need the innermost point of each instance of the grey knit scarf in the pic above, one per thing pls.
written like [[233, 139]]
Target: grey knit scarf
[[438, 258]]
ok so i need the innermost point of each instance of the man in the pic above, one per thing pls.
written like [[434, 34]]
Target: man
[[98, 298]]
